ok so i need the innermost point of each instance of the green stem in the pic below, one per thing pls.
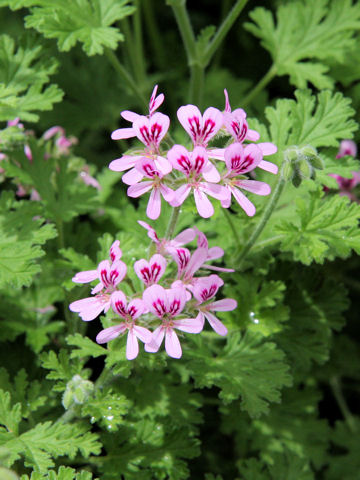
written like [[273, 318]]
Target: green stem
[[232, 226], [223, 30], [154, 35], [172, 222], [264, 219], [186, 31], [336, 389], [271, 73], [196, 85], [138, 43], [126, 77]]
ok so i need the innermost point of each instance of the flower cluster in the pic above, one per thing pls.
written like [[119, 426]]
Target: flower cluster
[[57, 145], [171, 299], [347, 185], [204, 171]]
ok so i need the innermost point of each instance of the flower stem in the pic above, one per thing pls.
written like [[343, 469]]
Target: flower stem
[[172, 222], [154, 35], [222, 31], [196, 85], [269, 75], [264, 219], [336, 389], [138, 43], [125, 75]]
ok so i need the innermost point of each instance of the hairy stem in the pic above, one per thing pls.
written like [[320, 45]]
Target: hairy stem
[[196, 85], [271, 73], [172, 222], [264, 219], [125, 76], [223, 30], [335, 384]]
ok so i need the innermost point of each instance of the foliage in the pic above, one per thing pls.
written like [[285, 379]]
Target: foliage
[[275, 398]]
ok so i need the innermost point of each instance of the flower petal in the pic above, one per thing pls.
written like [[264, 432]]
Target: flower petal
[[139, 189], [115, 252], [244, 202], [153, 209], [172, 344], [203, 204], [156, 300], [119, 303], [260, 188], [191, 119], [85, 277], [267, 148], [184, 237], [110, 333], [189, 325], [132, 345], [156, 340], [122, 133], [215, 324], [268, 167], [136, 308], [89, 308], [132, 176], [176, 299], [129, 116], [180, 195], [206, 288], [224, 305], [123, 163], [142, 334]]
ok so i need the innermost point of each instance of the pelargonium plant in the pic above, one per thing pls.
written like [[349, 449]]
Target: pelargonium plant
[[179, 288]]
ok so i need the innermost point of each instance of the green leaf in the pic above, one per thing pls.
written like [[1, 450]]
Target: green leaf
[[61, 367], [21, 232], [86, 21], [10, 417], [318, 121], [319, 31], [316, 308], [24, 72], [86, 347], [247, 367], [323, 227], [64, 473]]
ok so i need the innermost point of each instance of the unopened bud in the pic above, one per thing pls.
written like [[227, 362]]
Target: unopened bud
[[77, 390]]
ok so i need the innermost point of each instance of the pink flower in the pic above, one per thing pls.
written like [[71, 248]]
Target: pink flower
[[205, 289], [156, 183], [88, 276], [347, 147], [188, 264], [154, 104], [241, 160], [150, 272], [88, 179], [109, 277], [164, 245], [166, 305], [201, 128], [197, 167], [346, 185], [236, 125], [129, 313], [213, 253]]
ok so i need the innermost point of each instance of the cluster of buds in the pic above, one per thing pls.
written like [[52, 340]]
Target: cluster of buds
[[173, 296], [204, 171]]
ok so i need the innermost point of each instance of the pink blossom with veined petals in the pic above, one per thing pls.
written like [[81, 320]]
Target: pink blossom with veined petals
[[164, 245], [204, 289], [213, 253], [157, 186], [167, 305], [188, 264], [346, 185], [88, 276], [236, 125], [241, 160], [150, 271], [150, 131], [196, 166], [110, 276], [154, 104], [129, 312], [201, 128]]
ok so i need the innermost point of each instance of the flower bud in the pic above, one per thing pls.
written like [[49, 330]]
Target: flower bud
[[301, 163], [77, 390]]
